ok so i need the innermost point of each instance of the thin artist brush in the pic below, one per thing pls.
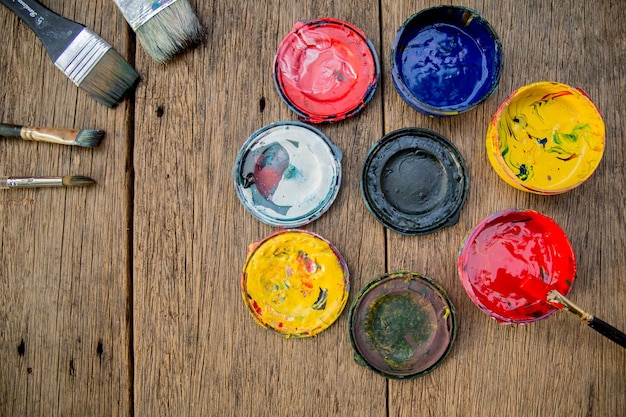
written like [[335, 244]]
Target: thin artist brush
[[87, 138], [542, 291], [85, 58], [36, 182], [164, 27]]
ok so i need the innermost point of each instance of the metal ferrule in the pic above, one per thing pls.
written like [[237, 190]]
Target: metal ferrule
[[82, 55], [556, 297], [19, 182], [137, 13]]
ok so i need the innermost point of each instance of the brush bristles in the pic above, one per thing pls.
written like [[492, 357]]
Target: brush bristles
[[170, 31], [77, 181], [110, 79], [89, 138]]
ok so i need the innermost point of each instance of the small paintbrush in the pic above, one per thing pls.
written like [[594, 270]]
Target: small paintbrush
[[36, 182], [164, 27], [542, 291], [87, 138], [91, 63]]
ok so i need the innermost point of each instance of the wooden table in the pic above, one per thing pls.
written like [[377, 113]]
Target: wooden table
[[123, 298]]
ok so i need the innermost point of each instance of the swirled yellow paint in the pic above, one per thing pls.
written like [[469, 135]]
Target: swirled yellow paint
[[546, 138]]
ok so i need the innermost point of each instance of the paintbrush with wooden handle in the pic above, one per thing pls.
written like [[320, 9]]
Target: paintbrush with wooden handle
[[36, 182], [540, 290], [87, 138]]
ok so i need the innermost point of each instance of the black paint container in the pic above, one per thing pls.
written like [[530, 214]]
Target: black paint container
[[414, 181]]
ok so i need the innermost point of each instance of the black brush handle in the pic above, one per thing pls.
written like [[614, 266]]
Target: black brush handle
[[54, 31], [8, 130], [608, 331]]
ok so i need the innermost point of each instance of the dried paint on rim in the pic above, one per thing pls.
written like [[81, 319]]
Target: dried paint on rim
[[288, 174], [504, 250], [446, 60], [414, 181], [402, 325], [295, 283], [326, 70], [546, 138]]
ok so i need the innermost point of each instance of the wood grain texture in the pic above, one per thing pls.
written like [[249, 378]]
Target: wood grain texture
[[557, 366], [64, 333], [124, 298], [197, 347]]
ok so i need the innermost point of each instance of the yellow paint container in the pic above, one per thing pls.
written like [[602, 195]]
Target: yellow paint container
[[546, 138], [295, 283]]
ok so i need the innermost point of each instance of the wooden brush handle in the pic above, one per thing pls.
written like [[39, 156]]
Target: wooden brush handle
[[608, 331], [41, 134], [54, 31]]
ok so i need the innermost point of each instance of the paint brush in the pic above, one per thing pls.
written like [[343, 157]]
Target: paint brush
[[91, 63], [37, 182], [164, 27], [542, 291], [87, 138]]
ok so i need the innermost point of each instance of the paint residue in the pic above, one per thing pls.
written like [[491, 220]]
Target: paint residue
[[402, 325], [295, 283], [414, 181], [446, 60], [508, 248], [444, 66], [326, 70], [546, 138], [288, 174], [396, 325]]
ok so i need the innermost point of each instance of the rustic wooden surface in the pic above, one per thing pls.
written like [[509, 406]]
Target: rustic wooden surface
[[123, 299]]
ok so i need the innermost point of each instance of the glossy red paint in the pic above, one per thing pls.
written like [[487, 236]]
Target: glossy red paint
[[326, 70], [506, 249]]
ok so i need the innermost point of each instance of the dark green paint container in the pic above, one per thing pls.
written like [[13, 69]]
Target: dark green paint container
[[402, 325]]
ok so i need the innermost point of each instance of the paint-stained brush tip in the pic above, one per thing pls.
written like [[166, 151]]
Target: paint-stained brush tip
[[77, 181], [110, 79], [170, 31], [89, 138]]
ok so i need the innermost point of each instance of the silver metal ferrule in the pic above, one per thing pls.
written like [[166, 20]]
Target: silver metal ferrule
[[82, 55], [29, 182], [137, 13]]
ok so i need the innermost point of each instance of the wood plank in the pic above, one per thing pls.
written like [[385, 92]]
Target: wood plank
[[64, 335], [197, 347], [557, 366], [126, 300]]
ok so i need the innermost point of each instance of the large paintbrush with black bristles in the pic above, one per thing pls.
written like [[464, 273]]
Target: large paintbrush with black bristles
[[86, 59]]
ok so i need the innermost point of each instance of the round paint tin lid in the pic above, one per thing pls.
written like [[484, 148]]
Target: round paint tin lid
[[295, 283], [402, 325], [414, 181], [446, 60], [546, 138], [503, 251], [326, 70], [287, 174]]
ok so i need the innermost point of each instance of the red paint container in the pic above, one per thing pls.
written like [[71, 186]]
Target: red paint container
[[506, 249], [326, 70]]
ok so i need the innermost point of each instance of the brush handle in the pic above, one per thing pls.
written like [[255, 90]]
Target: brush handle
[[30, 182], [10, 131], [608, 331], [54, 31], [51, 135]]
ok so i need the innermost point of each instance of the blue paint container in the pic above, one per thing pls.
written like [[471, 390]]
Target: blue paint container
[[446, 60], [414, 181], [287, 174]]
